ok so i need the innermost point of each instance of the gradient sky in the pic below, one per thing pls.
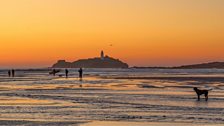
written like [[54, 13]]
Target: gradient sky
[[37, 33]]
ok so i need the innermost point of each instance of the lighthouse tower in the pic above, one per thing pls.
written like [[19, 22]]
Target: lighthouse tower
[[102, 55]]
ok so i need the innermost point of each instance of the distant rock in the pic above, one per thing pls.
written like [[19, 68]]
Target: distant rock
[[62, 64], [217, 65], [211, 65], [106, 62]]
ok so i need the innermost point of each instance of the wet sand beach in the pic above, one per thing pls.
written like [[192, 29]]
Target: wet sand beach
[[35, 99]]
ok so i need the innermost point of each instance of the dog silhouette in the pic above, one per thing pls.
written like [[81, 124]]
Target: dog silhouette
[[202, 92]]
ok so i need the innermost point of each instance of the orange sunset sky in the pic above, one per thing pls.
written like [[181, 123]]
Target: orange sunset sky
[[37, 33]]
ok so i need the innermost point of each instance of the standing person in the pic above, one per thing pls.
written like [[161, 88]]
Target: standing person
[[13, 73], [80, 73], [54, 72], [9, 73], [66, 73]]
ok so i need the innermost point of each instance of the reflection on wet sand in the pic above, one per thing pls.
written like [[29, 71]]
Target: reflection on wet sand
[[131, 102], [98, 123], [23, 101]]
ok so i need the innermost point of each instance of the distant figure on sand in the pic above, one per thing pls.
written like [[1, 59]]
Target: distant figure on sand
[[54, 72], [9, 73], [13, 73], [80, 73], [66, 73]]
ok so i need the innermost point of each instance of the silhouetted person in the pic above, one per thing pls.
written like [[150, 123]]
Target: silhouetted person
[[54, 72], [9, 73], [13, 73], [66, 73], [80, 73]]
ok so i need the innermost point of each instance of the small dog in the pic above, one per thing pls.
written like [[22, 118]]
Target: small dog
[[201, 92]]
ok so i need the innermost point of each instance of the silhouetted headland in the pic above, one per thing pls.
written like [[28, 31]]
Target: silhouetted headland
[[211, 65]]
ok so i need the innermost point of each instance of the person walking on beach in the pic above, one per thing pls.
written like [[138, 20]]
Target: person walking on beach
[[80, 73], [9, 73], [13, 73], [66, 73]]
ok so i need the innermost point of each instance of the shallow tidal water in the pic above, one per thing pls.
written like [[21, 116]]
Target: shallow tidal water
[[102, 99]]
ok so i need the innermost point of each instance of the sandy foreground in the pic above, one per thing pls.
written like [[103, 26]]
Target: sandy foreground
[[145, 124], [108, 102], [101, 123]]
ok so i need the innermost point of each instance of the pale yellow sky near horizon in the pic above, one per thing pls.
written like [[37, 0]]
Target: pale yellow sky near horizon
[[36, 33]]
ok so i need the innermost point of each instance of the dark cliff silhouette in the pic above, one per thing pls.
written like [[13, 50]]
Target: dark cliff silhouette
[[217, 65], [106, 62], [211, 65]]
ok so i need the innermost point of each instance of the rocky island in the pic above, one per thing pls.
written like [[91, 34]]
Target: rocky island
[[98, 62]]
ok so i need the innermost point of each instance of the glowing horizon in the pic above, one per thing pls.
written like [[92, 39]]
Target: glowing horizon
[[37, 33]]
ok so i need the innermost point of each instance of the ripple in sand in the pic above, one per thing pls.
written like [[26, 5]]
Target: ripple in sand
[[104, 123], [23, 101]]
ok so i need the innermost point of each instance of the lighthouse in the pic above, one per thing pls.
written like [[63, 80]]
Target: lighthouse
[[102, 55]]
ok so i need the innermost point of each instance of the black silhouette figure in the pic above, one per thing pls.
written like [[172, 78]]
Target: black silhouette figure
[[66, 73], [13, 73], [80, 73], [54, 72], [201, 92], [9, 73]]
